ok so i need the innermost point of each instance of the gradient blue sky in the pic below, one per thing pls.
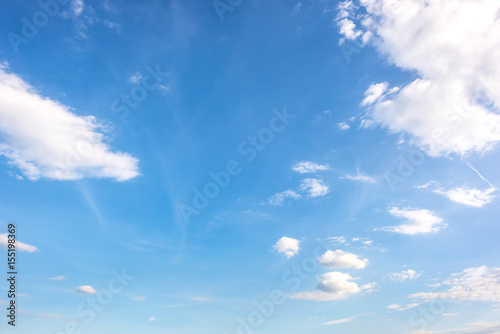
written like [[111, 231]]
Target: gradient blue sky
[[356, 170]]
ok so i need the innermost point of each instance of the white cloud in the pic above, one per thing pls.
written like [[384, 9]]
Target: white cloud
[[450, 315], [45, 139], [339, 321], [77, 7], [152, 318], [287, 246], [340, 240], [297, 8], [469, 196], [404, 275], [453, 47], [279, 198], [343, 126], [86, 289], [341, 259], [309, 167], [333, 286], [360, 178], [315, 187], [136, 78], [20, 246], [473, 284], [398, 307], [57, 278], [418, 221]]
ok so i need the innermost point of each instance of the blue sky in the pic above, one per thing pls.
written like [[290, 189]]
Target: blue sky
[[355, 144]]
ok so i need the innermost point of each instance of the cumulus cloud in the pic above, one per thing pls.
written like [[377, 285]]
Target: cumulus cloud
[[469, 196], [333, 286], [473, 284], [404, 275], [287, 246], [20, 246], [341, 259], [314, 187], [86, 289], [453, 47], [309, 167], [46, 139], [418, 221], [280, 198]]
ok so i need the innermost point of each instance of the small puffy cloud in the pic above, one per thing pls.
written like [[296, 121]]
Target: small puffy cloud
[[20, 246], [473, 284], [57, 278], [287, 246], [360, 178], [339, 321], [444, 110], [46, 139], [343, 126], [341, 259], [309, 167], [469, 196], [86, 289], [398, 307], [418, 221], [280, 198], [333, 286], [152, 318], [404, 275], [314, 187]]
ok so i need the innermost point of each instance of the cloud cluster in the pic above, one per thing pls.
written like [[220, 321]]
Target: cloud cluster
[[46, 139], [314, 187], [453, 47]]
